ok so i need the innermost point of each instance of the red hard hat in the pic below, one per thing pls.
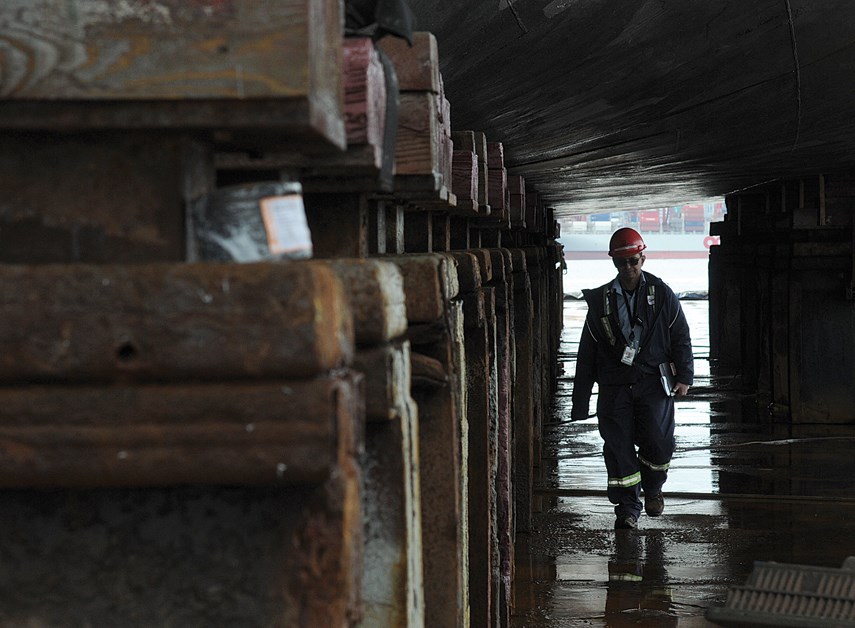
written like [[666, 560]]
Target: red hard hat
[[626, 242]]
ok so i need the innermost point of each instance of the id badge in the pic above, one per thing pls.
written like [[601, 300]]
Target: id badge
[[628, 356]]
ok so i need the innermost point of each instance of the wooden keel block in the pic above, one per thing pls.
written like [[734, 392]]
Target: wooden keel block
[[516, 185], [161, 322], [495, 155], [387, 380], [483, 172], [177, 65], [392, 579], [417, 67], [427, 372], [364, 93], [464, 180], [498, 191], [375, 291], [417, 149], [534, 217], [285, 432], [430, 281], [469, 276], [485, 264], [516, 190]]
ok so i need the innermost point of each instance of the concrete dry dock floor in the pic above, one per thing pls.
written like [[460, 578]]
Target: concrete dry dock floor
[[741, 489]]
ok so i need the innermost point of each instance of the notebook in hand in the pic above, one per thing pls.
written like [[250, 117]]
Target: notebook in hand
[[668, 376]]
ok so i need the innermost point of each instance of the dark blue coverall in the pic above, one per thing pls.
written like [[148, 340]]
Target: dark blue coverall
[[633, 408]]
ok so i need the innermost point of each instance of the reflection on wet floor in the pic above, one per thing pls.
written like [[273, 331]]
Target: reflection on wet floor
[[741, 488]]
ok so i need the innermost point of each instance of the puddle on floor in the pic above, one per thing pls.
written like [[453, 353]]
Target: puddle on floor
[[741, 489]]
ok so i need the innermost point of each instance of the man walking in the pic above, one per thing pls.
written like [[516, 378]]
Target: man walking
[[635, 330]]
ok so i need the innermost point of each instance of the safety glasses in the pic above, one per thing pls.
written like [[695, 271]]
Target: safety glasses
[[625, 261]]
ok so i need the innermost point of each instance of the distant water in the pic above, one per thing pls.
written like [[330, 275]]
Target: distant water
[[687, 277]]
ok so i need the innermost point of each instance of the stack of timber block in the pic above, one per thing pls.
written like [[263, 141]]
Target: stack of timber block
[[347, 441], [502, 285], [785, 265], [359, 168], [516, 201], [187, 438], [435, 331], [470, 182], [498, 190], [424, 150], [183, 443], [261, 76], [392, 582], [475, 270]]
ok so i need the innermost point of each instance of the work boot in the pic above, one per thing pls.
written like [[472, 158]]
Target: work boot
[[626, 522], [654, 506]]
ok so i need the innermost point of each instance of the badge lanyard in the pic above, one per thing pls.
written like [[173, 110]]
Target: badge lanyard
[[629, 353], [632, 314]]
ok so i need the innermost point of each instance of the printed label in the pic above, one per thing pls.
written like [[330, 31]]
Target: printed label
[[285, 223]]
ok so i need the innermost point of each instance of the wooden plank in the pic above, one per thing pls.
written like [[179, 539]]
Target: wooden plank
[[392, 578], [123, 196], [364, 93], [441, 232], [495, 155], [418, 231], [534, 218], [516, 185], [430, 281], [158, 322], [417, 67], [516, 189], [375, 292], [261, 556], [152, 51], [464, 140], [478, 400], [387, 380], [464, 179], [498, 192], [283, 432], [439, 391], [523, 393], [339, 224], [483, 173], [394, 228], [502, 270], [358, 169], [180, 60], [417, 146]]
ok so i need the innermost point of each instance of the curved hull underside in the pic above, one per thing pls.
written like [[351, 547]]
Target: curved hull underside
[[606, 105]]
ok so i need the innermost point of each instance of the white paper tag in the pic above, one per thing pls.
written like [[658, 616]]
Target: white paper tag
[[628, 356], [285, 223]]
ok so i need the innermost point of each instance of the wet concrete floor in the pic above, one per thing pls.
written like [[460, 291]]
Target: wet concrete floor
[[741, 488]]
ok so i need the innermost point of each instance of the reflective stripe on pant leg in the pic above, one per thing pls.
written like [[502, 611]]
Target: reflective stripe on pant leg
[[617, 428], [655, 467], [630, 480], [654, 433]]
